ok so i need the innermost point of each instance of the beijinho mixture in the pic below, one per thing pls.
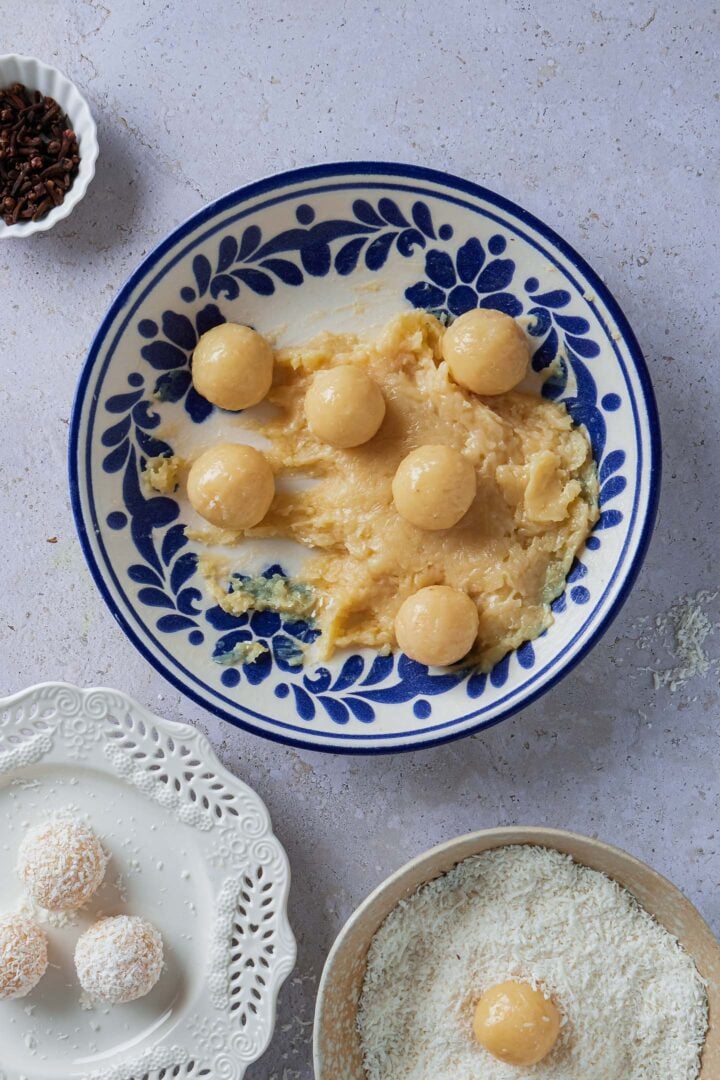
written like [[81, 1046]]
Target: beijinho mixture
[[516, 460], [61, 863], [631, 1003], [119, 959]]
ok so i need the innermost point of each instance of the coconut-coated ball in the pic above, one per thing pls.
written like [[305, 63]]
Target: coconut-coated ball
[[486, 351], [516, 1023], [119, 959], [23, 955], [437, 625], [232, 366], [61, 863], [231, 486], [434, 487], [344, 406]]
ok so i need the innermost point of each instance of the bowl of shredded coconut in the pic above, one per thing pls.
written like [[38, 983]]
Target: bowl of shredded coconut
[[613, 959]]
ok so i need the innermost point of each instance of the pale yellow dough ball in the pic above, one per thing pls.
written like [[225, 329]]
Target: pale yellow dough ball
[[437, 625], [344, 406], [23, 955], [232, 366], [486, 351], [61, 863], [434, 487], [516, 1024], [231, 486]]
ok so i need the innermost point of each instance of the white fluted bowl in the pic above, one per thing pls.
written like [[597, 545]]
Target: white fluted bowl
[[51, 82]]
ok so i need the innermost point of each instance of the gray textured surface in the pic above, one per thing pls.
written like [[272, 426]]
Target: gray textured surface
[[603, 120]]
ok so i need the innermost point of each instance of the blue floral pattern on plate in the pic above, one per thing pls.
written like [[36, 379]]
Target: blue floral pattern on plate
[[248, 263]]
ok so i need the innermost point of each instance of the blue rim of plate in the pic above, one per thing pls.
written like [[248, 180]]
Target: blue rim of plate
[[408, 172]]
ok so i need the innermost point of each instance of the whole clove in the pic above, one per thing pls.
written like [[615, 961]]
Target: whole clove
[[39, 154]]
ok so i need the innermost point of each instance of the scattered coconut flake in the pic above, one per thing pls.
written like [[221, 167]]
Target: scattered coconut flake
[[119, 884], [682, 631], [59, 920]]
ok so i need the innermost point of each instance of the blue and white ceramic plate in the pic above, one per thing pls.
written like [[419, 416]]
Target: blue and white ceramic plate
[[345, 246]]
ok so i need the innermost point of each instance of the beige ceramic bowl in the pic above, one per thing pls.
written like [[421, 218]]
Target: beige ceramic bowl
[[336, 1045]]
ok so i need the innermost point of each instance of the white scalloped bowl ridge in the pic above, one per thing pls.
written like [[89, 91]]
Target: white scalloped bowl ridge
[[48, 80]]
